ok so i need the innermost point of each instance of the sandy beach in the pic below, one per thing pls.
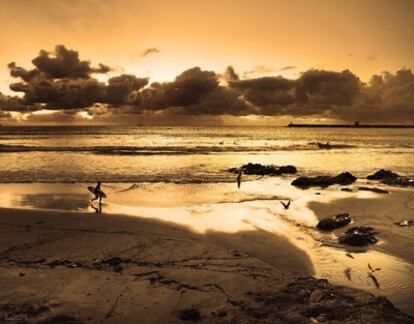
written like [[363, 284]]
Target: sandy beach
[[80, 266], [207, 161]]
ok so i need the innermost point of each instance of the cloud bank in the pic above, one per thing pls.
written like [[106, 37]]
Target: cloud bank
[[61, 82]]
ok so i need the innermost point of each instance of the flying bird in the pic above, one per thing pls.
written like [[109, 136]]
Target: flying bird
[[286, 205], [371, 275]]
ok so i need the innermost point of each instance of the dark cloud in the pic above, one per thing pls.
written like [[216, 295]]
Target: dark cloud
[[389, 97], [123, 89], [186, 90], [150, 51], [11, 103], [62, 82], [266, 91], [319, 87], [62, 63], [61, 94], [230, 74]]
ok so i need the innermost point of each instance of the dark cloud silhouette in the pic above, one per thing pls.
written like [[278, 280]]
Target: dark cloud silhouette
[[319, 87], [185, 90], [12, 103], [389, 97], [150, 51], [230, 74], [266, 91], [123, 89], [62, 63], [62, 82]]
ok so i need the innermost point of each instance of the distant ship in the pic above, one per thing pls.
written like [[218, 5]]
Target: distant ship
[[354, 125]]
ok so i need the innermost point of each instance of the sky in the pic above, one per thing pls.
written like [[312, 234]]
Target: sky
[[290, 60]]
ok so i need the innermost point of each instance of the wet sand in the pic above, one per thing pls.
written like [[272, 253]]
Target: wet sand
[[111, 267], [393, 254], [89, 267]]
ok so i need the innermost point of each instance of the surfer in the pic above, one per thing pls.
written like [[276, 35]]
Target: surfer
[[98, 193]]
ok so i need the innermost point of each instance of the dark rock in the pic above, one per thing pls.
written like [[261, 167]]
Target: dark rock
[[344, 178], [314, 310], [400, 181], [383, 174], [347, 189], [68, 319], [259, 169], [334, 222], [374, 189], [333, 304], [359, 236], [113, 261], [26, 309], [190, 314], [118, 268], [59, 262]]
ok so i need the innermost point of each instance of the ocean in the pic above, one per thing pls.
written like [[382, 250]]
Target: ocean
[[180, 175], [84, 154]]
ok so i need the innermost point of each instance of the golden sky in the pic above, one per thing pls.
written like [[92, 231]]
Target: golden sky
[[257, 38]]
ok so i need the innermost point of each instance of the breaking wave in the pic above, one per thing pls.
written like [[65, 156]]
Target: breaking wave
[[165, 150]]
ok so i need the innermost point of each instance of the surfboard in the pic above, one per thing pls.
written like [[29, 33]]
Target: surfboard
[[98, 193]]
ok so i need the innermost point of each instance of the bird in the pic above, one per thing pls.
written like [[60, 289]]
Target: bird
[[239, 179], [374, 279], [371, 275], [349, 255], [348, 274], [286, 205]]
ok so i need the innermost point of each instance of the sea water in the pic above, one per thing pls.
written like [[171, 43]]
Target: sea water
[[193, 154], [180, 175]]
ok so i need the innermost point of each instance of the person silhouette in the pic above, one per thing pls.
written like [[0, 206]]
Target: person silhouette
[[98, 193]]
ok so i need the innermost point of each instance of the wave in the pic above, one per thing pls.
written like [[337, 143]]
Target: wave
[[165, 150]]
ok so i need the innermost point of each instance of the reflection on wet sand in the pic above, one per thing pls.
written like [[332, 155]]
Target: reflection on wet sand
[[73, 201]]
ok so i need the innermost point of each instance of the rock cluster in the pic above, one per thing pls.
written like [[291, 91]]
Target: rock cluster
[[359, 236], [334, 222], [344, 178], [259, 169], [383, 174]]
